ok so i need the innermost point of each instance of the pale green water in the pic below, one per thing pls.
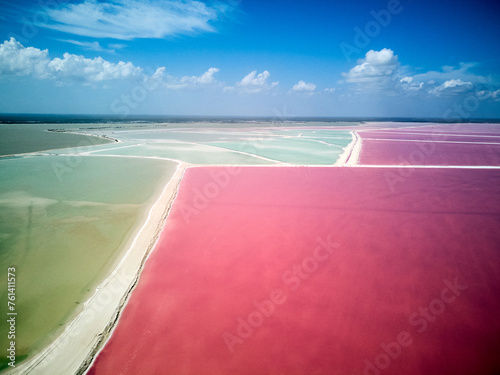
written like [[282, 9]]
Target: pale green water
[[296, 150], [191, 153], [64, 235], [235, 146]]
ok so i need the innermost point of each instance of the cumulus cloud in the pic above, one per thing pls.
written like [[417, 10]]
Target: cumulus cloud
[[15, 59], [377, 71], [205, 78], [92, 70], [254, 83], [302, 86], [409, 84], [119, 19], [254, 79], [192, 82], [453, 86], [381, 71]]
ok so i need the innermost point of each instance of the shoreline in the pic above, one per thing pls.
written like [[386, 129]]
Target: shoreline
[[350, 155], [172, 189], [103, 136], [94, 324]]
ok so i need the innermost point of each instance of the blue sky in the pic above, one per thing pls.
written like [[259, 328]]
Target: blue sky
[[396, 58]]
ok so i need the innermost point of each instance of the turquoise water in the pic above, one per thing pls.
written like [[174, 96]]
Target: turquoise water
[[250, 146], [293, 150]]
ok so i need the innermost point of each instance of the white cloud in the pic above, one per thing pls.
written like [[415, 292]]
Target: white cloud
[[254, 79], [384, 57], [377, 71], [409, 84], [449, 73], [455, 80], [453, 86], [159, 74], [131, 19], [15, 59], [302, 86], [330, 90], [455, 83], [254, 83], [205, 79], [382, 71], [93, 70], [485, 94]]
